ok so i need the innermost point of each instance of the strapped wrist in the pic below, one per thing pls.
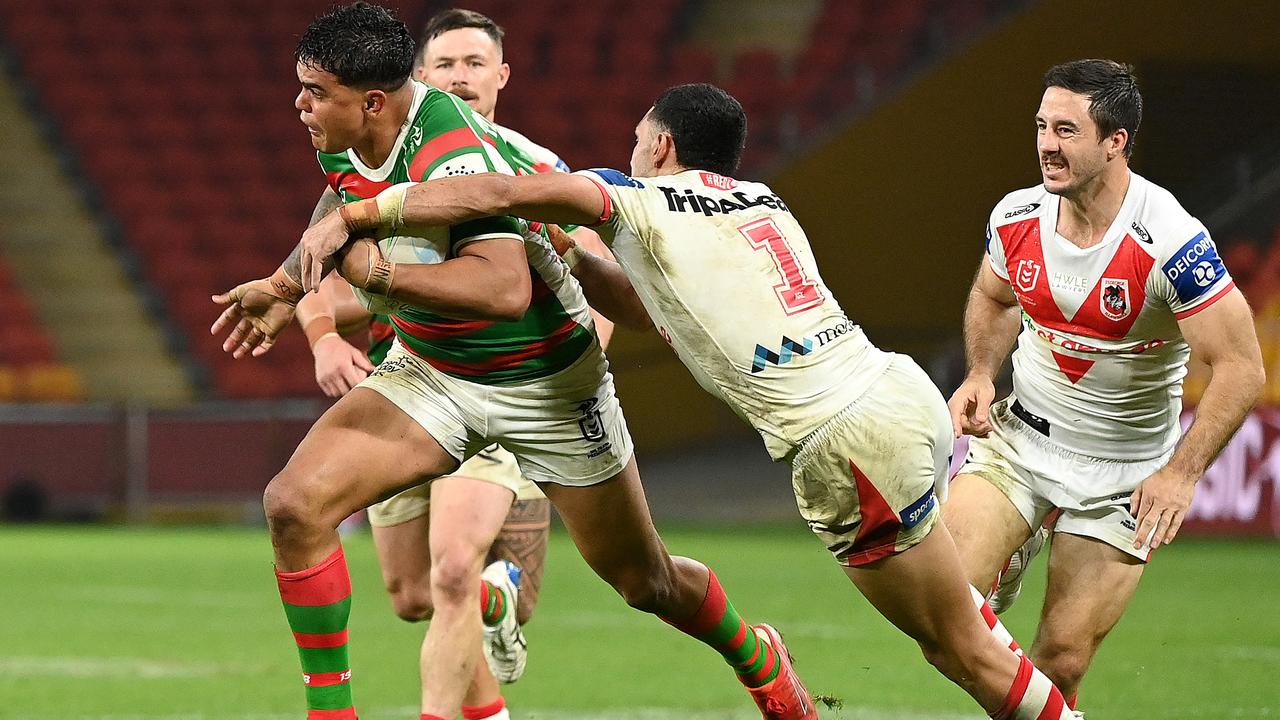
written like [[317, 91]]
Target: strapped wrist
[[573, 255], [381, 276], [383, 211], [319, 328], [285, 287]]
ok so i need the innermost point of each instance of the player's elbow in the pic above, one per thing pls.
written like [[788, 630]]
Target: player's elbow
[[509, 303]]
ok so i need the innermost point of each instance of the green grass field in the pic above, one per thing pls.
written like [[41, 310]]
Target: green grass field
[[185, 624]]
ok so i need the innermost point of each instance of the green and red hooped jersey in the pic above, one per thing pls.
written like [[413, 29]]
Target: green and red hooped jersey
[[528, 157], [443, 137]]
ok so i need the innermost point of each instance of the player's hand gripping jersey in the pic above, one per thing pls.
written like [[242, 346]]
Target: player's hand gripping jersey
[[1100, 355], [442, 137], [781, 352]]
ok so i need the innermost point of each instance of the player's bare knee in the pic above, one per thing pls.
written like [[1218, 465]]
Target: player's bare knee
[[288, 505], [644, 591], [1065, 663], [410, 600], [454, 578]]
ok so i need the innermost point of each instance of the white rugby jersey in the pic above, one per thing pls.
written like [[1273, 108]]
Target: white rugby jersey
[[1100, 355], [731, 283]]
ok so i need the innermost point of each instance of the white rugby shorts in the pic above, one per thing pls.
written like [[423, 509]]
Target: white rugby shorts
[[1037, 476], [566, 428], [867, 481], [492, 465]]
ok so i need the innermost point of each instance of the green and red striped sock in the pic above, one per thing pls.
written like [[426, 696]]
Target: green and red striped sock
[[317, 602], [493, 604], [718, 624]]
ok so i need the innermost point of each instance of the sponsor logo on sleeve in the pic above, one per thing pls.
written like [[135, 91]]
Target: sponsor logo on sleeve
[[613, 177], [1114, 299], [1021, 210], [1194, 268]]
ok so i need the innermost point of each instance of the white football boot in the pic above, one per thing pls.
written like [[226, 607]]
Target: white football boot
[[1009, 582], [505, 649]]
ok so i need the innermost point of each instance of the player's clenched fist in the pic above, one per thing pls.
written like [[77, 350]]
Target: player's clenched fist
[[256, 313], [970, 407]]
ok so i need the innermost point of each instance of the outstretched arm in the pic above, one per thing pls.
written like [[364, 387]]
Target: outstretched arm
[[604, 283]]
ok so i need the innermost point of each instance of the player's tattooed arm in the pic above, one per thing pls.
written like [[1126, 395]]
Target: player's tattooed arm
[[991, 322]]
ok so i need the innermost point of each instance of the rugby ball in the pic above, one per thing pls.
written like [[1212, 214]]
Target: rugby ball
[[412, 244]]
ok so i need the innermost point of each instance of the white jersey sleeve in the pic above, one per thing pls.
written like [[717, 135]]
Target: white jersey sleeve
[[1192, 276], [731, 283]]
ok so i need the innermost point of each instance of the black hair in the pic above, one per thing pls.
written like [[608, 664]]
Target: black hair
[[707, 124], [457, 19], [365, 46], [1114, 100]]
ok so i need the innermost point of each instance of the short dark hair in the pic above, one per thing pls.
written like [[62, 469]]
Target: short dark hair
[[365, 46], [707, 124], [457, 19], [1114, 100]]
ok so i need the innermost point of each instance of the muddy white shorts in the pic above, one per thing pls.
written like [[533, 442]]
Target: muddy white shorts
[[1038, 475]]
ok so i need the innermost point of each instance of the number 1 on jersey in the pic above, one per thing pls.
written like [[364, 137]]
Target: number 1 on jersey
[[796, 292]]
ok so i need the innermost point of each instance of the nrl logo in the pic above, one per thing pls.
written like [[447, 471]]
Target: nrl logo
[[1114, 299], [1027, 275]]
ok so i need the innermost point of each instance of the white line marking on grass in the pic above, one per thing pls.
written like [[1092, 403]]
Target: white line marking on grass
[[101, 667], [1251, 653]]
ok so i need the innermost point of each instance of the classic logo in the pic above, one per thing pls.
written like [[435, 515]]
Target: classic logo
[[1114, 299], [1028, 275], [1021, 210], [719, 182], [590, 422], [1141, 233]]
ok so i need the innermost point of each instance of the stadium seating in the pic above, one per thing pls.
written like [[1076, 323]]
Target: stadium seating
[[179, 115], [29, 369]]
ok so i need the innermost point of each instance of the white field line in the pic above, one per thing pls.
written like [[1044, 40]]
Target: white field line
[[102, 667]]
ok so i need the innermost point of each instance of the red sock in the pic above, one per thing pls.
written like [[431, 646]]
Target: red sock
[[1071, 701], [1032, 697], [480, 712], [431, 717]]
